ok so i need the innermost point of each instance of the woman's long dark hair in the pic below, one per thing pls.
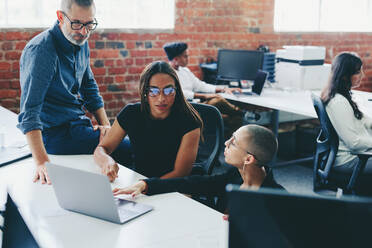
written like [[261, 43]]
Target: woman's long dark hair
[[344, 66], [180, 103]]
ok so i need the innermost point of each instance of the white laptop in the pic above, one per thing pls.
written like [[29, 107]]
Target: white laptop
[[91, 194]]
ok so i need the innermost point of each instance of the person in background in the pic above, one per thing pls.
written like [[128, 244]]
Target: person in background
[[57, 83], [194, 88], [249, 150], [164, 128], [353, 127]]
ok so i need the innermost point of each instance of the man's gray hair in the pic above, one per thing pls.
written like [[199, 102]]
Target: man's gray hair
[[66, 4], [261, 142]]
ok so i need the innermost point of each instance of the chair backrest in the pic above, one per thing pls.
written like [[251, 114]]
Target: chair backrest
[[209, 149], [326, 143]]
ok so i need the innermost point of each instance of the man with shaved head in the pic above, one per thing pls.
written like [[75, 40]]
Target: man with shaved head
[[249, 150], [57, 87]]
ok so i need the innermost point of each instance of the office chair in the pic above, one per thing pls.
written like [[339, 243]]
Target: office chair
[[209, 149], [326, 151], [15, 231]]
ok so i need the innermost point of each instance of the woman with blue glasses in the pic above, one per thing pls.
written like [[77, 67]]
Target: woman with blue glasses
[[164, 129]]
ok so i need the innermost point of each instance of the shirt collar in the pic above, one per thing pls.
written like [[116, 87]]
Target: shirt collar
[[62, 42]]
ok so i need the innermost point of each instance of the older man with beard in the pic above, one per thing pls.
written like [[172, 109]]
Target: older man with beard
[[57, 84]]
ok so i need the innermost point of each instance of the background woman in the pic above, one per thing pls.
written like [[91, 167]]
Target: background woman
[[351, 125], [164, 129]]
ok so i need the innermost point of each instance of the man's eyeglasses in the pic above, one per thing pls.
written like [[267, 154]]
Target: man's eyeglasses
[[167, 91], [77, 25]]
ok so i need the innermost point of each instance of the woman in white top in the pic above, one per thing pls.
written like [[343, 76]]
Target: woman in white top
[[352, 126]]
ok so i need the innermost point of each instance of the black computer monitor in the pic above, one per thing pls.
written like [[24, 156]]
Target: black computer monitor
[[275, 218], [239, 64]]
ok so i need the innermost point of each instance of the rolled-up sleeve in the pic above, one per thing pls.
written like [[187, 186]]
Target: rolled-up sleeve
[[37, 68], [90, 93]]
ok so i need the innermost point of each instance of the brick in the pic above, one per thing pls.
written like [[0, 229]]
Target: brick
[[8, 93], [148, 44], [99, 79], [7, 46], [107, 53], [15, 85], [148, 61], [4, 84], [108, 80], [109, 62], [127, 36], [135, 70], [20, 45], [147, 36], [113, 88], [129, 61], [119, 63], [99, 71], [95, 36], [111, 36], [99, 63], [129, 78], [12, 55], [115, 45], [132, 87], [156, 53], [131, 44], [138, 53], [9, 103], [117, 70], [99, 45], [124, 53], [17, 36], [140, 61], [107, 96], [102, 88], [5, 66], [6, 75], [111, 105], [119, 79], [91, 44]]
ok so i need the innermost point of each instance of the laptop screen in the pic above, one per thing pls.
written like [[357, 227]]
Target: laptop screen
[[272, 218], [259, 82]]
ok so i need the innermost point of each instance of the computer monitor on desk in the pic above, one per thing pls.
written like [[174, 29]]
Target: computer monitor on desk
[[273, 218], [236, 65]]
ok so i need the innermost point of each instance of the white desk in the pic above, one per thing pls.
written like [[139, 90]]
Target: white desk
[[8, 122], [176, 221], [297, 102]]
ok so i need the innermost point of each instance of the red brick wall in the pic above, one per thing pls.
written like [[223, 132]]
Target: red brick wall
[[117, 58]]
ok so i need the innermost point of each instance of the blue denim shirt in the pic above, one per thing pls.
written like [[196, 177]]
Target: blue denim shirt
[[56, 82]]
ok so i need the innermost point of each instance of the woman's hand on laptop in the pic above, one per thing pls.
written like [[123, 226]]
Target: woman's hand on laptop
[[134, 190], [111, 171]]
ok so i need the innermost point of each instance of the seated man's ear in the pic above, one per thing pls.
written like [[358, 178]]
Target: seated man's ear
[[60, 16], [250, 159]]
